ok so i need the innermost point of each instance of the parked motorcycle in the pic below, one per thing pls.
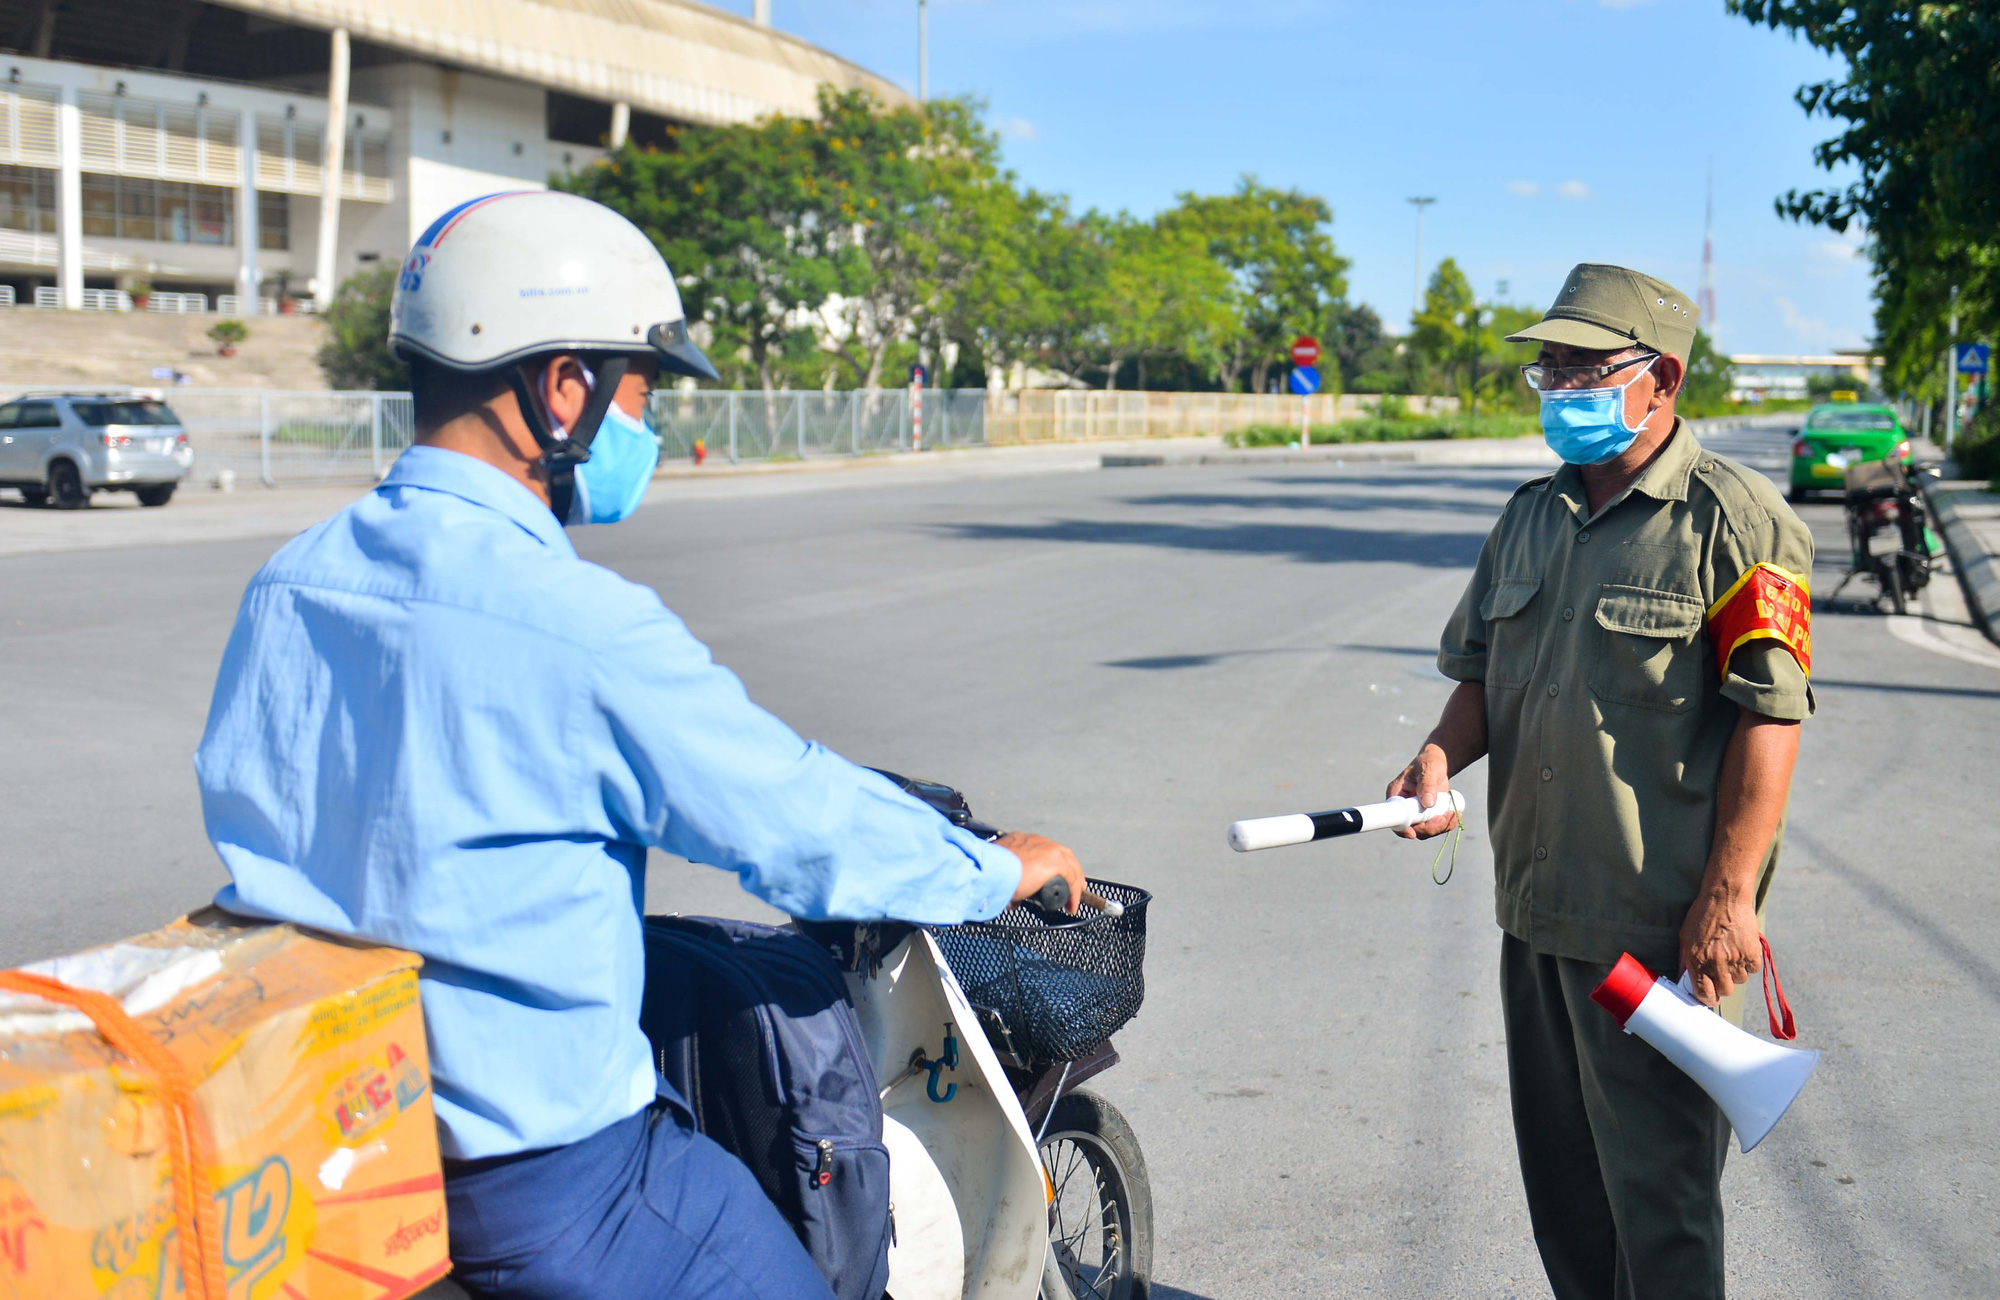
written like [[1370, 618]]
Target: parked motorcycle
[[1888, 533]]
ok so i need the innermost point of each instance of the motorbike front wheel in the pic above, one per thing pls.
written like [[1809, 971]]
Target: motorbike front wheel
[[1101, 1217]]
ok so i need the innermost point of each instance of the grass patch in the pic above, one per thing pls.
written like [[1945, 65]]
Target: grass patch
[[1374, 428]]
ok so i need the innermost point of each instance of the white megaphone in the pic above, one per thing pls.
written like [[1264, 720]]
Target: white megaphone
[[1753, 1081]]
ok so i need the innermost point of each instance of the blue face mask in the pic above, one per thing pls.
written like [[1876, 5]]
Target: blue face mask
[[612, 483], [1586, 426]]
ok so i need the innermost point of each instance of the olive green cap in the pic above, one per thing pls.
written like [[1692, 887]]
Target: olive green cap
[[1608, 308]]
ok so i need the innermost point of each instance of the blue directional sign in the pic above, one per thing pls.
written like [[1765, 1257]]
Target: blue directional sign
[[1972, 358], [1305, 380]]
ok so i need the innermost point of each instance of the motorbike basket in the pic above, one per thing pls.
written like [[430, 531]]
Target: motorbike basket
[[1060, 986]]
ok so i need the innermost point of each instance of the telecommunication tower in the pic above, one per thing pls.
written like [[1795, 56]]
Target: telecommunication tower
[[1707, 304]]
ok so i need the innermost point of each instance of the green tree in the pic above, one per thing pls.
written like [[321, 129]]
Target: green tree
[[1710, 379], [1285, 273], [913, 199], [735, 211], [1166, 297], [1045, 302], [1464, 339], [354, 352], [1918, 109], [1357, 347], [1448, 330]]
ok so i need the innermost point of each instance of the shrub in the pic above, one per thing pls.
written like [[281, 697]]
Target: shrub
[[1978, 449], [356, 351], [1404, 428], [228, 333]]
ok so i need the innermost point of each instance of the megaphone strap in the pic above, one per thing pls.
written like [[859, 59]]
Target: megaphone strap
[[1775, 1006]]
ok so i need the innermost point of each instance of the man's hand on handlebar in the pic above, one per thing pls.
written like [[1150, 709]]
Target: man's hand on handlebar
[[1043, 860]]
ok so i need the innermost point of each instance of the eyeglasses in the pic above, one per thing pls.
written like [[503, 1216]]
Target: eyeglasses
[[1543, 378]]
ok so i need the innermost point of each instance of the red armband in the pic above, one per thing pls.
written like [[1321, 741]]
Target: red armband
[[1765, 602]]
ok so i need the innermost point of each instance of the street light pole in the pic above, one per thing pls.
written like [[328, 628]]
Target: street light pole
[[1417, 279], [923, 51], [1951, 376]]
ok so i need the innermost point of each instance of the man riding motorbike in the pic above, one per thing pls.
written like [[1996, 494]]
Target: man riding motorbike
[[436, 727]]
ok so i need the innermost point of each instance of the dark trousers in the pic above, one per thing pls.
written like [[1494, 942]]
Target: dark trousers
[[1621, 1152], [646, 1209]]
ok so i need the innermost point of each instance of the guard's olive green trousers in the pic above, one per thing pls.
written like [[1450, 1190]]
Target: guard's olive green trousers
[[1620, 1151]]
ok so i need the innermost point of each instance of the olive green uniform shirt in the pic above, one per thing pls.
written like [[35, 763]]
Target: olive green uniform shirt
[[1606, 720]]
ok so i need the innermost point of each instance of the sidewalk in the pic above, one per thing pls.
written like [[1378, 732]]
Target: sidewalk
[[1968, 517]]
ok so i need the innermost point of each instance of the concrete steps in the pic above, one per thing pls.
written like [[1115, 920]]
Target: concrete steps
[[91, 347]]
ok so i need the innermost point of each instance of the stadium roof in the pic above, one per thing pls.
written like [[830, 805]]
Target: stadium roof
[[677, 58]]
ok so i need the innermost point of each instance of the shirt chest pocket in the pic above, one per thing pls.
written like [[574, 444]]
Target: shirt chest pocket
[[1647, 651], [1510, 618]]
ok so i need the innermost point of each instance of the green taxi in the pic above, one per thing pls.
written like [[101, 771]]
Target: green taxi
[[1839, 434]]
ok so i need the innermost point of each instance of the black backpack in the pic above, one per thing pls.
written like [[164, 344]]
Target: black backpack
[[754, 1027]]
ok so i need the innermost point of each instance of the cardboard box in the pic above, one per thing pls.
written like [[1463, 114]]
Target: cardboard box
[[308, 1059]]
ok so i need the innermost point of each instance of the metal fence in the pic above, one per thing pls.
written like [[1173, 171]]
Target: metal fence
[[788, 425], [285, 438], [289, 437], [282, 437], [1071, 415]]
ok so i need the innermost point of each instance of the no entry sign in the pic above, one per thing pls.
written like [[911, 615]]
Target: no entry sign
[[1305, 350]]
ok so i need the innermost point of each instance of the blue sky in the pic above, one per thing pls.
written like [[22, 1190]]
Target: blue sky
[[1551, 131]]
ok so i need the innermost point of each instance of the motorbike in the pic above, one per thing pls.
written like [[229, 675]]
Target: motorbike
[[1008, 1180], [1888, 533], [1023, 1183]]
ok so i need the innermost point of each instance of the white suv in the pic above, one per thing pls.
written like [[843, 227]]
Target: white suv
[[59, 448]]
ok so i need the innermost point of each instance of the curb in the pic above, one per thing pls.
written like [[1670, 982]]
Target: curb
[[1465, 451], [1977, 568]]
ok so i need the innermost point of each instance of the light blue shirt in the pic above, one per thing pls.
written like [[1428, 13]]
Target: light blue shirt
[[436, 727]]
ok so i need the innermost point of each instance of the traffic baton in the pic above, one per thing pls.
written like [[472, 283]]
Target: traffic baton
[[1395, 814]]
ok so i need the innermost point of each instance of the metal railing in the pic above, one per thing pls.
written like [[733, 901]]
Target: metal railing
[[183, 304], [49, 298], [285, 438], [291, 437], [793, 425], [1082, 415], [277, 437]]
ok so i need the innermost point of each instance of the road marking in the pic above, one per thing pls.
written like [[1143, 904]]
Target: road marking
[[1945, 627], [1923, 634]]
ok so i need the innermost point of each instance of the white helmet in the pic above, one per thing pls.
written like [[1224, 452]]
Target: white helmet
[[503, 278]]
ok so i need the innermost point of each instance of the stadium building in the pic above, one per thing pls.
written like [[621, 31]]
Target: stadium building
[[249, 155]]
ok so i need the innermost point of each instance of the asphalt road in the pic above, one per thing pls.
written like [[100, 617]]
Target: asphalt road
[[1128, 660]]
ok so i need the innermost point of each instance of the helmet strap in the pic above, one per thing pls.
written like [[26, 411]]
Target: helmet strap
[[561, 456]]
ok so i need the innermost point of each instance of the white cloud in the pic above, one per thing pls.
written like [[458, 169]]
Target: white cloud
[[1810, 331], [1573, 190], [1019, 128], [1523, 189]]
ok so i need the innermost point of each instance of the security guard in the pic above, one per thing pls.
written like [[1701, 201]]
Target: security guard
[[1632, 652]]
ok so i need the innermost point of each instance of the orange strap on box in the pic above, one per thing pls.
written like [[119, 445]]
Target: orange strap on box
[[190, 1149], [1766, 602]]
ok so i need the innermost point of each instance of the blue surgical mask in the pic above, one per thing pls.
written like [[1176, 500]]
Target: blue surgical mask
[[612, 483], [1586, 426]]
